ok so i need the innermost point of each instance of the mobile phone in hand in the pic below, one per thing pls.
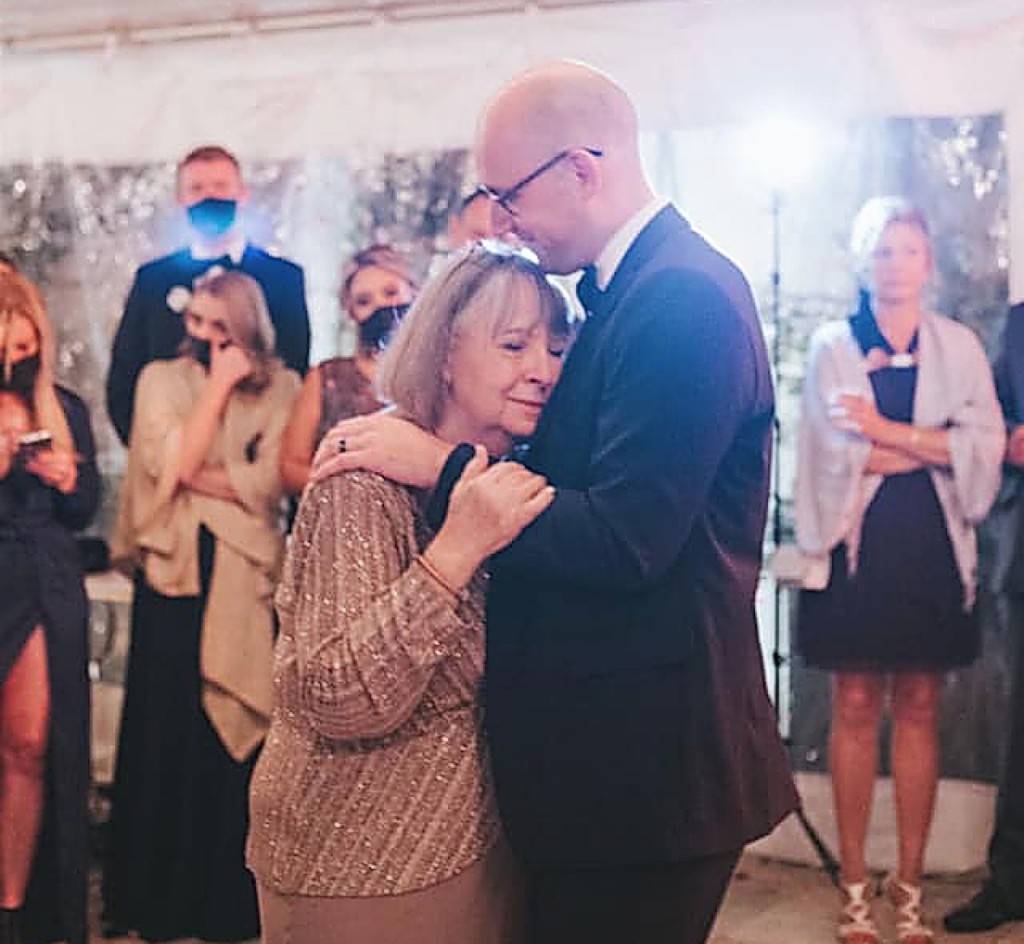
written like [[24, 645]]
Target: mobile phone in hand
[[31, 444]]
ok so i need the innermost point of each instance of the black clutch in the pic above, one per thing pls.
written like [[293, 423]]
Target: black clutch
[[93, 554]]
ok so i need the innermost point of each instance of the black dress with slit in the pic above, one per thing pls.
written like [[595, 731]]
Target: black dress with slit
[[903, 609], [41, 585]]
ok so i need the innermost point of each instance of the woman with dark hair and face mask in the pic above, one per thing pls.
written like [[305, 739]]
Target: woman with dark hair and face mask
[[377, 287], [49, 487], [200, 526]]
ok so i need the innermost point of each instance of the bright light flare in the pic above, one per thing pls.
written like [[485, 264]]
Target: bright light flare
[[781, 150]]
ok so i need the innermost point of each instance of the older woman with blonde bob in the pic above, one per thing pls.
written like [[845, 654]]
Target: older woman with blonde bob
[[377, 287], [200, 526], [373, 812], [899, 458]]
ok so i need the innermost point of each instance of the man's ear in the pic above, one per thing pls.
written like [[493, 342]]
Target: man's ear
[[243, 195], [587, 169]]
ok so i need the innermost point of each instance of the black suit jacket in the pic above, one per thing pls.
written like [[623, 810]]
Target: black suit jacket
[[1007, 572], [627, 712], [1009, 367], [150, 330]]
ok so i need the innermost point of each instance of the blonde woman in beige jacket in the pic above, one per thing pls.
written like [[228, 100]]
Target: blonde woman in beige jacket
[[200, 524]]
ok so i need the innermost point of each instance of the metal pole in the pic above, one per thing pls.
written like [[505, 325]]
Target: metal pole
[[828, 861]]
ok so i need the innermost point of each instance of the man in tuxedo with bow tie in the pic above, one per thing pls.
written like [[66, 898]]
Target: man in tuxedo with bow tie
[[210, 190], [634, 747]]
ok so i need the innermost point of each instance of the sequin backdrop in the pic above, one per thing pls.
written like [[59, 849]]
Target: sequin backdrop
[[81, 230]]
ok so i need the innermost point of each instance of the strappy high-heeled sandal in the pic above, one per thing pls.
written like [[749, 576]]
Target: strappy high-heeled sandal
[[906, 899], [857, 926]]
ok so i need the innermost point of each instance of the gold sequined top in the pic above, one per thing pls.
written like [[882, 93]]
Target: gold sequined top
[[373, 779]]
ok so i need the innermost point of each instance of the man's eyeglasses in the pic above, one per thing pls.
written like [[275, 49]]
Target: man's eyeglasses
[[506, 198]]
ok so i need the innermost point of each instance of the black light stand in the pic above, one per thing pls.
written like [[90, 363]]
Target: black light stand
[[781, 659]]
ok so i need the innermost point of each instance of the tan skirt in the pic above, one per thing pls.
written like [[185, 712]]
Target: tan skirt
[[482, 905]]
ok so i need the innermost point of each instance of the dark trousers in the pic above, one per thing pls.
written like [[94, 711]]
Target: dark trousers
[[674, 903], [1006, 850]]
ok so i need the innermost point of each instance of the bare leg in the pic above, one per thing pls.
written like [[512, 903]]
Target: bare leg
[[853, 754], [24, 725], [915, 764]]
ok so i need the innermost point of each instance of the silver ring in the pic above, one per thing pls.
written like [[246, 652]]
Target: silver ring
[[341, 446]]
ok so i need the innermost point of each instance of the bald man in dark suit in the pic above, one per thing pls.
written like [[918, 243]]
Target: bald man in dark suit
[[634, 747]]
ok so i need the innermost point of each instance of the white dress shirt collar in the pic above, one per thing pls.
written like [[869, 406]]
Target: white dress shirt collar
[[609, 259], [234, 247]]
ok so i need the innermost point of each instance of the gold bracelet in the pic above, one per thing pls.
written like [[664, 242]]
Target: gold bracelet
[[435, 574]]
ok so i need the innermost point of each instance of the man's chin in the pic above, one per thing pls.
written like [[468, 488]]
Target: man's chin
[[552, 265], [555, 263]]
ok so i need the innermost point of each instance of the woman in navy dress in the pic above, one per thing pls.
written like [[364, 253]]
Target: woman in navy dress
[[900, 455]]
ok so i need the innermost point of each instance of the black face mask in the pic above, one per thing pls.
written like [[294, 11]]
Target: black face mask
[[23, 376], [213, 216], [199, 350], [375, 332]]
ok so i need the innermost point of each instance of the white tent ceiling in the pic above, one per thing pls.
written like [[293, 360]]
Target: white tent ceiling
[[53, 24], [58, 24], [107, 81]]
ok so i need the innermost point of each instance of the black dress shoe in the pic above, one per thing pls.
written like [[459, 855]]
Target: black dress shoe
[[985, 911], [111, 929], [10, 926]]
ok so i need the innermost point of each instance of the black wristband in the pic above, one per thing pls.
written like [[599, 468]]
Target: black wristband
[[457, 460]]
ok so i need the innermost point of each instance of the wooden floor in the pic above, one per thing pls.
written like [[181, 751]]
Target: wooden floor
[[773, 903]]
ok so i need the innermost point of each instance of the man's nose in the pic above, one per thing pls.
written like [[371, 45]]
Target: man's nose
[[502, 222]]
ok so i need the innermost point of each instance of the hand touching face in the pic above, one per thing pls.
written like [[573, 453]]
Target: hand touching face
[[206, 321]]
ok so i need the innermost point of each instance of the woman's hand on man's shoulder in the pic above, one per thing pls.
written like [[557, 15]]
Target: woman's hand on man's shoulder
[[382, 443]]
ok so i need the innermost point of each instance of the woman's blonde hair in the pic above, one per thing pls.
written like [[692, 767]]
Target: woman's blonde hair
[[871, 221], [248, 320], [378, 256], [483, 283], [19, 298]]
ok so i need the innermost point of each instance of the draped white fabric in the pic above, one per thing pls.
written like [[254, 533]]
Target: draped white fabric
[[411, 85], [401, 86]]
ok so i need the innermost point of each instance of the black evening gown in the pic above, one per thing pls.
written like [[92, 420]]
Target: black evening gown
[[903, 610], [179, 817], [41, 585]]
